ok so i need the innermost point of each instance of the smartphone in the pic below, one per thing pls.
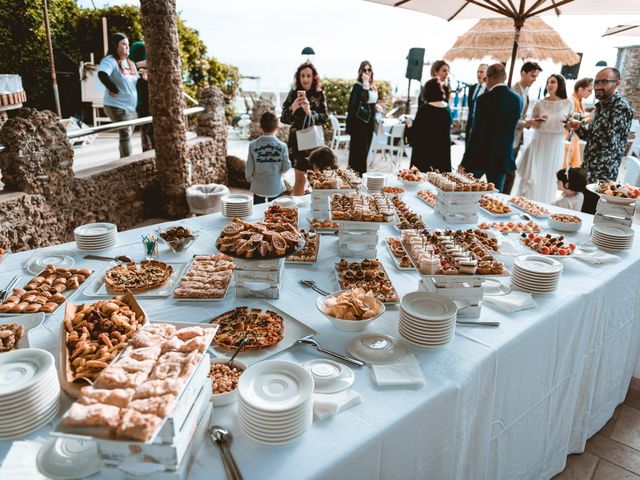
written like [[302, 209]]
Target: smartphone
[[302, 93]]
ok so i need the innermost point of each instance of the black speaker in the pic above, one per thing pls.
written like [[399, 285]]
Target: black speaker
[[415, 62], [570, 72]]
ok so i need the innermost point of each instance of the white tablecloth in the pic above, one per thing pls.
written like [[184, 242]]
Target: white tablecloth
[[507, 402]]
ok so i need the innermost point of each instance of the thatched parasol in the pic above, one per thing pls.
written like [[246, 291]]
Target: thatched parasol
[[493, 37], [624, 31]]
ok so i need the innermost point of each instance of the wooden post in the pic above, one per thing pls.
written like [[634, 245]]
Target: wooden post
[[518, 22]]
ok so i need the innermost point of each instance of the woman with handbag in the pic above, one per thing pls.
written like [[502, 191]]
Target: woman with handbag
[[361, 117], [305, 109]]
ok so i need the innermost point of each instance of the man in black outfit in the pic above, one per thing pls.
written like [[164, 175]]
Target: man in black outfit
[[474, 92], [490, 147]]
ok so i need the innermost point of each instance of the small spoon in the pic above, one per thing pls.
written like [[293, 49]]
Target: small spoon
[[119, 258], [243, 342], [223, 439]]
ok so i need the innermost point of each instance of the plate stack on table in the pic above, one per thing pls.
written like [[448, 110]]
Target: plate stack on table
[[96, 236], [29, 391], [275, 401], [612, 237], [374, 181], [536, 273], [427, 319], [237, 205]]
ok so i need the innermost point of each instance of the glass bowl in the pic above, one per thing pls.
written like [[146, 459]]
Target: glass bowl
[[172, 236]]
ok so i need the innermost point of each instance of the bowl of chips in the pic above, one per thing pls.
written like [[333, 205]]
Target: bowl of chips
[[350, 310]]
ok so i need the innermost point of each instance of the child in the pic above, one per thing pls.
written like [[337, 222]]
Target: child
[[572, 182], [323, 158], [267, 161]]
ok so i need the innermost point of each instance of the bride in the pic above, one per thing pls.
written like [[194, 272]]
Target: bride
[[543, 157]]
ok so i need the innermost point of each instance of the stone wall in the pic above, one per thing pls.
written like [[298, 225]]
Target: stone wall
[[44, 201], [629, 65]]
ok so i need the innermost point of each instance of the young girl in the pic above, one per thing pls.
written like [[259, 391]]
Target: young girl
[[323, 158], [572, 182]]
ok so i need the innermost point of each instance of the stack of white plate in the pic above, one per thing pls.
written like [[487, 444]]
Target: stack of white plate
[[615, 238], [237, 205], [427, 319], [536, 273], [374, 181], [96, 236], [29, 391], [275, 401]]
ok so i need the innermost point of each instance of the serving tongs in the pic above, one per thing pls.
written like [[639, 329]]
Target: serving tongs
[[4, 293], [308, 340]]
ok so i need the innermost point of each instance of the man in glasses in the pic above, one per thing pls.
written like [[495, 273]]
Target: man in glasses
[[606, 135]]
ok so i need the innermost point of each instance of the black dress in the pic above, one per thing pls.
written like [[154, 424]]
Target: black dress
[[430, 137], [360, 124]]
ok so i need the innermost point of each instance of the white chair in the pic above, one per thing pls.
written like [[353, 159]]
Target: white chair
[[635, 144], [391, 144], [98, 118], [338, 138], [632, 171]]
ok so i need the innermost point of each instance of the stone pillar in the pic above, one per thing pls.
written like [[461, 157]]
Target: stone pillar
[[159, 24], [38, 158], [629, 65], [260, 106]]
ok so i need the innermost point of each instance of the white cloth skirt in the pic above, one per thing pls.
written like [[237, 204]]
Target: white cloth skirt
[[538, 167]]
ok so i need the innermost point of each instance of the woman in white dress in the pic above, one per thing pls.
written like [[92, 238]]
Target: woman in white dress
[[543, 157]]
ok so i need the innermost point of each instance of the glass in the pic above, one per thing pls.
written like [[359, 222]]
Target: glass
[[604, 82], [150, 245]]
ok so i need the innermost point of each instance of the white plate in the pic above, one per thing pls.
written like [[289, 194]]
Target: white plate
[[534, 275], [496, 215], [67, 459], [617, 231], [593, 188], [376, 348], [21, 369], [492, 287], [236, 198], [609, 241], [275, 385], [427, 337], [29, 321], [276, 417], [420, 343], [257, 419], [396, 260], [278, 432], [97, 240], [538, 264], [97, 287], [95, 229], [428, 306], [329, 376], [30, 415], [426, 325], [281, 440], [31, 398], [534, 283], [544, 215], [38, 262], [32, 426]]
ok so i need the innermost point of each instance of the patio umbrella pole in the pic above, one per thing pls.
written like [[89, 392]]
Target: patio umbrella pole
[[518, 22], [54, 80], [409, 98]]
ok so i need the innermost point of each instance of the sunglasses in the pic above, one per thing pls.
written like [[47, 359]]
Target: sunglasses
[[603, 82], [366, 69]]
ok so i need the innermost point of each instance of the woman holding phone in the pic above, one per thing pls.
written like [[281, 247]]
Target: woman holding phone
[[305, 105], [543, 157], [361, 116]]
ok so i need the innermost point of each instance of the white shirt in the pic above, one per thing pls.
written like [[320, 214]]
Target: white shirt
[[574, 202]]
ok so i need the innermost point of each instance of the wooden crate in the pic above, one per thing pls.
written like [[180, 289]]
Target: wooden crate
[[614, 213], [460, 289], [269, 274], [458, 207], [320, 197]]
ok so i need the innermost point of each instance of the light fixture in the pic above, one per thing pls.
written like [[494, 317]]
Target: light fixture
[[308, 54], [601, 63]]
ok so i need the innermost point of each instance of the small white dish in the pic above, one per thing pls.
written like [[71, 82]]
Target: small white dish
[[494, 287], [92, 230], [428, 306], [219, 399], [22, 369], [563, 226], [329, 376], [63, 458], [286, 202], [346, 325], [38, 262], [376, 348], [29, 322], [538, 264]]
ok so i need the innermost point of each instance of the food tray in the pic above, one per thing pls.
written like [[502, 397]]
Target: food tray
[[29, 321], [496, 215], [68, 294], [527, 211], [97, 288], [307, 262], [322, 231], [355, 224], [610, 198], [388, 301], [67, 384], [254, 259], [186, 299], [396, 260], [293, 330], [457, 194], [425, 202]]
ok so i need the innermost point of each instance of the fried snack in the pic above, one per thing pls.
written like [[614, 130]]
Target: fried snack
[[258, 240], [459, 182], [151, 274], [529, 206], [264, 328], [118, 397], [408, 218], [428, 197], [362, 208], [393, 190], [10, 334], [207, 277], [355, 304], [137, 426], [333, 179], [412, 174], [493, 205], [310, 251], [277, 213], [564, 218], [96, 334], [93, 415]]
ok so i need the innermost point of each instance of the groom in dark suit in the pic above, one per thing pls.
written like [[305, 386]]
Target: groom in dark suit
[[490, 147]]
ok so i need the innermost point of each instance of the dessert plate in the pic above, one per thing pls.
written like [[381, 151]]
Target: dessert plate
[[428, 306], [63, 458], [376, 348], [329, 376], [38, 262]]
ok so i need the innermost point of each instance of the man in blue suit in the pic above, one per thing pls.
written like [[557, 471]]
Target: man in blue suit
[[490, 148]]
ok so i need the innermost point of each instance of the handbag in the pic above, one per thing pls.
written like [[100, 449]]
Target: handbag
[[310, 137], [364, 112]]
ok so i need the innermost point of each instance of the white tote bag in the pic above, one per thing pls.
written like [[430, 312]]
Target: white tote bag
[[310, 137]]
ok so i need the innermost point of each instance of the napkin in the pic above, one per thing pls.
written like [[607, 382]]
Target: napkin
[[512, 302], [596, 257], [326, 405], [20, 462], [406, 372]]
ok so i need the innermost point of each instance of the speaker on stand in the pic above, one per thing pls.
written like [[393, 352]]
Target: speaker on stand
[[570, 72], [415, 63]]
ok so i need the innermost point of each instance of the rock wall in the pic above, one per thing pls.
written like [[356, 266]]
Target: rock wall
[[629, 65], [261, 106]]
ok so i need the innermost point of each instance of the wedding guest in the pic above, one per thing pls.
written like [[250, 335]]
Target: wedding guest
[[305, 101], [528, 75], [430, 133], [490, 148], [361, 117], [543, 155], [606, 135], [138, 54], [572, 182], [440, 69], [119, 75], [581, 90], [323, 158], [475, 91]]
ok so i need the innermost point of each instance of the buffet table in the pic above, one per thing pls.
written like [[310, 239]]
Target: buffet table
[[499, 403]]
